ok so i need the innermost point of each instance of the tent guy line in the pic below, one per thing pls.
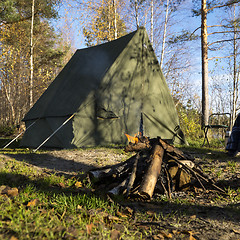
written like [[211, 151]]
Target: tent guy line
[[19, 134], [53, 133]]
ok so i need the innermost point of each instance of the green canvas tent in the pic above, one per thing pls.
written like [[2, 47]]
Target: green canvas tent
[[107, 90]]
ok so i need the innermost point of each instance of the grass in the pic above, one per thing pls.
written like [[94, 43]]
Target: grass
[[52, 206], [42, 210], [49, 206]]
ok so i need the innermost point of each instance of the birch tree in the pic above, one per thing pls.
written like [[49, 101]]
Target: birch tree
[[104, 22], [15, 58], [31, 57]]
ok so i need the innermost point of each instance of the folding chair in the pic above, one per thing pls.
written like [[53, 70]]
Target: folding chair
[[216, 121]]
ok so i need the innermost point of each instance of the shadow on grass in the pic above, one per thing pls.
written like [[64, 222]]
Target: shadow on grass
[[197, 213], [41, 183], [166, 209], [50, 162], [210, 153]]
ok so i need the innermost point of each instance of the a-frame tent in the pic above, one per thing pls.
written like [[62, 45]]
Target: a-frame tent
[[108, 90]]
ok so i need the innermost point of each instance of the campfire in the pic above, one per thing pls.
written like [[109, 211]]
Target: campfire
[[156, 167]]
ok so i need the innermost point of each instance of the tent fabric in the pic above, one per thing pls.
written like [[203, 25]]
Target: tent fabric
[[110, 88], [233, 144]]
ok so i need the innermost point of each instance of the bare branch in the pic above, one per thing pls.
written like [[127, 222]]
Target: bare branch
[[194, 32], [219, 57], [215, 26], [223, 32], [220, 41], [224, 5]]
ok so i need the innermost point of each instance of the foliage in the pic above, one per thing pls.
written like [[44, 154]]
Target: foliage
[[15, 56], [6, 130], [12, 11], [183, 37], [105, 22], [190, 122]]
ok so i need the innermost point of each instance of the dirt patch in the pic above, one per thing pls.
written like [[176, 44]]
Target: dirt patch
[[196, 214], [70, 162]]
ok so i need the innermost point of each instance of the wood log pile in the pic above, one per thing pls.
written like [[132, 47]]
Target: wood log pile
[[156, 167]]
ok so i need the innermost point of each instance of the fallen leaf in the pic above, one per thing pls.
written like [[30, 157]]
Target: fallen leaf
[[166, 235], [3, 189], [115, 234], [121, 215], [175, 231], [151, 213], [89, 228], [13, 192], [191, 237], [33, 203], [128, 210], [13, 238], [159, 236], [113, 218], [190, 233], [62, 185], [236, 231], [79, 207], [78, 184]]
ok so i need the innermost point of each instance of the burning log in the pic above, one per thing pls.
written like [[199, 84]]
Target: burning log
[[156, 167]]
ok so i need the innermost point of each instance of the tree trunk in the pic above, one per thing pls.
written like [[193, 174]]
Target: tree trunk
[[115, 19], [204, 35], [234, 96], [136, 13], [164, 34], [31, 59], [151, 36], [10, 101]]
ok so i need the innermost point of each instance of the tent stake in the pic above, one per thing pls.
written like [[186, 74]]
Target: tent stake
[[19, 135], [53, 133]]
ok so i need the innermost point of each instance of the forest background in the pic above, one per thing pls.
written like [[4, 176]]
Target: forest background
[[38, 37]]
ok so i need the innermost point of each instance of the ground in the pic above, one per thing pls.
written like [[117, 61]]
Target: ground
[[196, 214]]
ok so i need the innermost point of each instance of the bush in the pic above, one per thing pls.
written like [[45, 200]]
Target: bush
[[190, 122]]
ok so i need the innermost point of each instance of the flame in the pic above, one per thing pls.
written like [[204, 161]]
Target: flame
[[132, 139]]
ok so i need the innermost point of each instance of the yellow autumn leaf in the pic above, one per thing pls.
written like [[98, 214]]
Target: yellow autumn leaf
[[78, 184], [33, 202]]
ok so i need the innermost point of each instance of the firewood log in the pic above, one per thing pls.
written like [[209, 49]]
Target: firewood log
[[110, 171], [150, 178]]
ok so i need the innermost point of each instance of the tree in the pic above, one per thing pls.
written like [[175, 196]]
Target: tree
[[207, 7], [231, 29], [15, 58], [13, 11], [105, 22], [31, 57], [204, 43]]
